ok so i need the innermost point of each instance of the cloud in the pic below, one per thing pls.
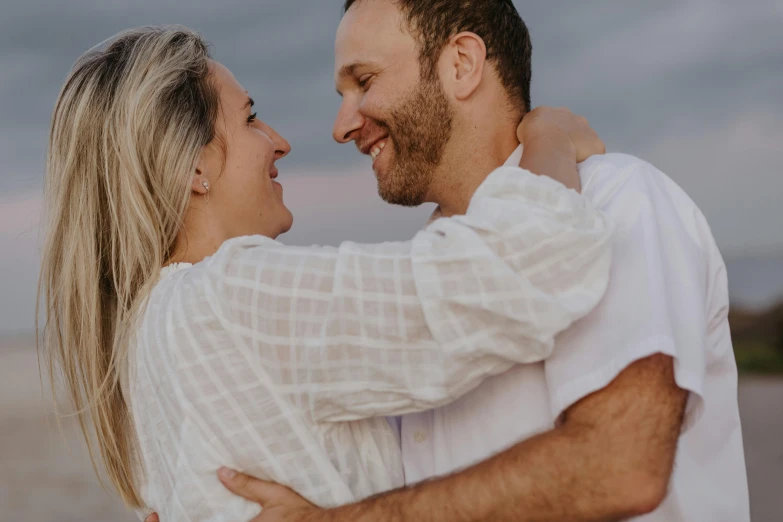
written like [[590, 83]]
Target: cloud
[[706, 61], [732, 172], [691, 85]]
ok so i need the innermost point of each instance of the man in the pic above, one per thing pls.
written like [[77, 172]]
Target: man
[[635, 413]]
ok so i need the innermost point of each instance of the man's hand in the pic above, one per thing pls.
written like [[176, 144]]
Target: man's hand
[[280, 503], [555, 140]]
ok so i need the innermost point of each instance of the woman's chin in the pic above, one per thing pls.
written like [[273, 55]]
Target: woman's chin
[[288, 223]]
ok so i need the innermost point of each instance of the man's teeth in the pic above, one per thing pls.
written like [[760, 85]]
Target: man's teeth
[[377, 150]]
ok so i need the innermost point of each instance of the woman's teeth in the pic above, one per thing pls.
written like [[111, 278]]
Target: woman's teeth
[[377, 150]]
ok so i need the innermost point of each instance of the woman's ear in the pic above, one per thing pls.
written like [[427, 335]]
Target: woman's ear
[[200, 183], [468, 57]]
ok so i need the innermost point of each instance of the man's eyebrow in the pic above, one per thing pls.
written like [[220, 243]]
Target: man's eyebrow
[[350, 69]]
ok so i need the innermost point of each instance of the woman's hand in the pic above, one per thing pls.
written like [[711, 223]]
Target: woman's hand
[[554, 141], [561, 123]]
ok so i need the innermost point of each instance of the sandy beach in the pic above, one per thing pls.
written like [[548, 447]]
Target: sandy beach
[[46, 476], [45, 473]]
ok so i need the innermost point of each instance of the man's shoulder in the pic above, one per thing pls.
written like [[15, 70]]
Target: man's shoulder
[[615, 160], [625, 186], [612, 175]]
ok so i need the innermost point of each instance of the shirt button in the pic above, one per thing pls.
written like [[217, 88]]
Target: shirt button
[[419, 436]]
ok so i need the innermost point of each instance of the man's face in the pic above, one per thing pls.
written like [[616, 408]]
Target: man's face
[[402, 121]]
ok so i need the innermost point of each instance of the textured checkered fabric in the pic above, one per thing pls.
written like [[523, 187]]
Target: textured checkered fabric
[[280, 360]]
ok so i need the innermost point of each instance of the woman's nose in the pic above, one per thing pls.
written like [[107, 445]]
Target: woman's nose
[[282, 147]]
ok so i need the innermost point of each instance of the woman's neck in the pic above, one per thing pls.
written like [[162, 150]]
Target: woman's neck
[[201, 236]]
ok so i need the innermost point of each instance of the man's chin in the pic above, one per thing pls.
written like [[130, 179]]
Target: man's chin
[[400, 198]]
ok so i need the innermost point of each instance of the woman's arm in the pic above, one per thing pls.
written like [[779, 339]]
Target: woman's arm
[[369, 330]]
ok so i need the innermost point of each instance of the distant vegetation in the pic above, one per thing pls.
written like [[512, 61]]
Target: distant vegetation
[[758, 340]]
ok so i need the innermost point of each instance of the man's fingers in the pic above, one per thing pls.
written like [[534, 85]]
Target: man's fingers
[[152, 518], [252, 489]]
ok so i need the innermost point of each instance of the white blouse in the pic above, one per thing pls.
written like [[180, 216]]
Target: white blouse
[[280, 361]]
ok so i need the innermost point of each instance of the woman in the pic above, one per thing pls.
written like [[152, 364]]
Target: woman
[[194, 339]]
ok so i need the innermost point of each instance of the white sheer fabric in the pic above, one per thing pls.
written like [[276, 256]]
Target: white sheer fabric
[[279, 360]]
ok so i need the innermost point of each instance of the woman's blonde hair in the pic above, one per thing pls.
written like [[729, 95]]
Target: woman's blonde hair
[[127, 131]]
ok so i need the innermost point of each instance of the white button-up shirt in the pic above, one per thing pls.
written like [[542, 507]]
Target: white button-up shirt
[[279, 360], [667, 294]]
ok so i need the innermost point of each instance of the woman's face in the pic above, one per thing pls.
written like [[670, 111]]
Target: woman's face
[[243, 193]]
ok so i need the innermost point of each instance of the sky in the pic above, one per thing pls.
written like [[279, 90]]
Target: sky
[[693, 86]]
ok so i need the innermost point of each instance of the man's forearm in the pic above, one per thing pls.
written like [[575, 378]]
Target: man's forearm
[[611, 459], [535, 480]]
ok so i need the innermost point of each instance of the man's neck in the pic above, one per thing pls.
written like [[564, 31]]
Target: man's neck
[[471, 155]]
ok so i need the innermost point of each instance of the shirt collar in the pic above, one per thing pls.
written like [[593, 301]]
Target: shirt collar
[[515, 158]]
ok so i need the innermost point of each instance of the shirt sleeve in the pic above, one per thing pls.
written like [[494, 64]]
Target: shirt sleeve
[[368, 330], [656, 301]]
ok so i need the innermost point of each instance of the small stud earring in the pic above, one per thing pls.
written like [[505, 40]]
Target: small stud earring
[[206, 186]]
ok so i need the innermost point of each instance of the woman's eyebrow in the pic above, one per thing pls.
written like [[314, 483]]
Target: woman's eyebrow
[[249, 103]]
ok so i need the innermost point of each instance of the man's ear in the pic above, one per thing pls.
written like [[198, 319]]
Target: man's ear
[[467, 54]]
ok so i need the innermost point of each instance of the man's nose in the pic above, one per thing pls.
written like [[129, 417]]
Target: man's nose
[[348, 122]]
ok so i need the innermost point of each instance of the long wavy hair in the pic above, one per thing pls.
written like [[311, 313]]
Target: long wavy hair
[[126, 134]]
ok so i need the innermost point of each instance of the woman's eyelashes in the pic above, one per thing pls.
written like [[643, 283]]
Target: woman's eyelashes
[[252, 118]]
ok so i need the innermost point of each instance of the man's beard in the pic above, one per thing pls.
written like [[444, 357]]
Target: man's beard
[[419, 126]]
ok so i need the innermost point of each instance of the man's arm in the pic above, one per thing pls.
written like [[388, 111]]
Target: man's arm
[[609, 458]]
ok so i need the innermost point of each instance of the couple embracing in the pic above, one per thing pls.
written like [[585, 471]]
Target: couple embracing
[[552, 346]]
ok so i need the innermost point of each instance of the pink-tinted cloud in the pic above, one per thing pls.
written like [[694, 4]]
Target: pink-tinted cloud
[[19, 215]]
